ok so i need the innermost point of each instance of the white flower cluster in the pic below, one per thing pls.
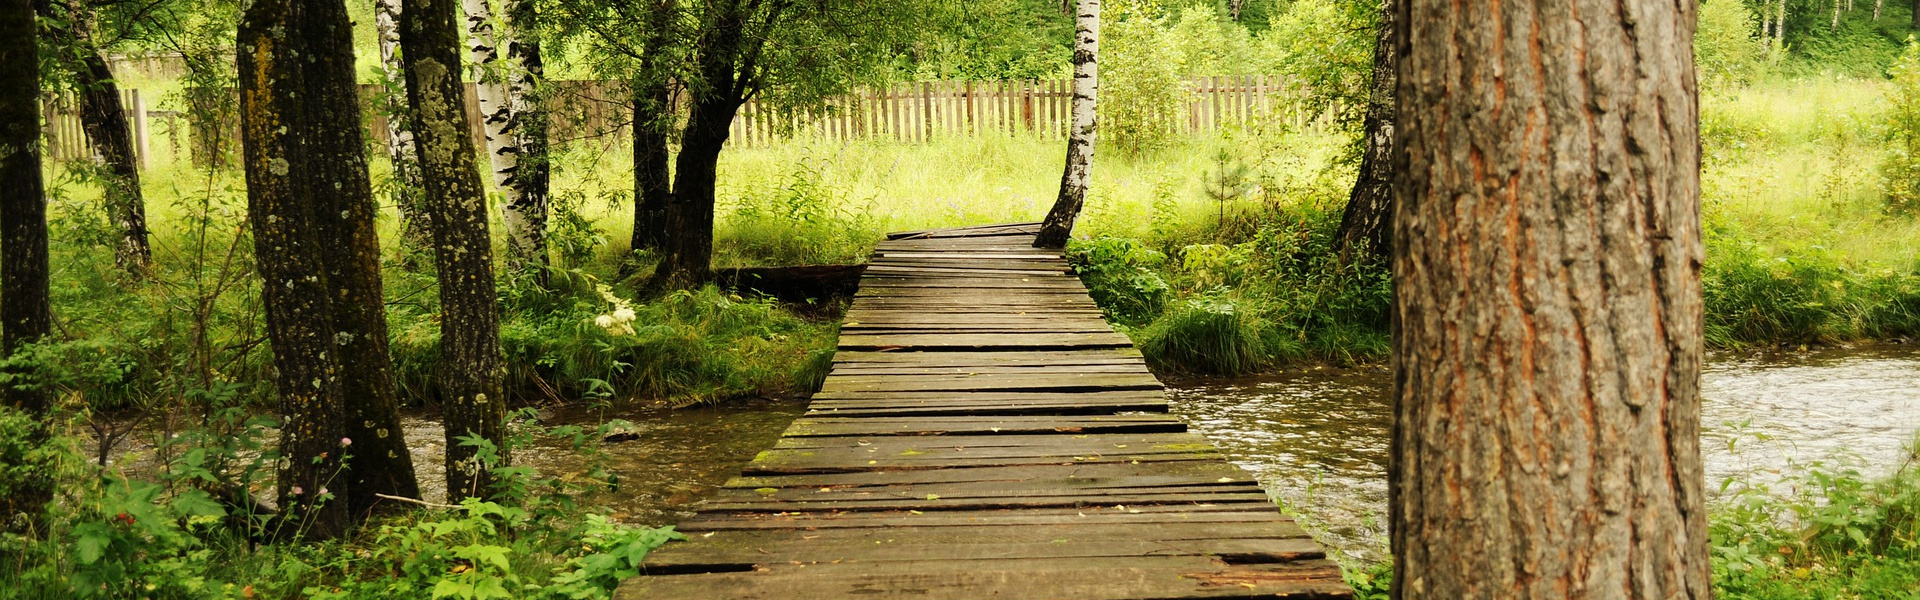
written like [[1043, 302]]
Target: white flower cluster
[[620, 320]]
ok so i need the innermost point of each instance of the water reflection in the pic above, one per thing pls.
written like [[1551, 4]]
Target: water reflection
[[1317, 438]]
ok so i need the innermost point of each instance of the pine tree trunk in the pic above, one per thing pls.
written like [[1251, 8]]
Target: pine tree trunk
[[26, 315], [516, 137], [652, 183], [470, 370], [344, 221], [1367, 222], [1547, 303], [1073, 181], [400, 152], [294, 287]]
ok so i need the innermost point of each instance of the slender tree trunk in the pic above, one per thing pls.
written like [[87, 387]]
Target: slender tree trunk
[[1234, 7], [470, 370], [1836, 16], [1367, 222], [1877, 5], [26, 315], [344, 220], [103, 116], [1073, 182], [400, 152], [294, 287], [516, 134], [1547, 303], [652, 191], [653, 118]]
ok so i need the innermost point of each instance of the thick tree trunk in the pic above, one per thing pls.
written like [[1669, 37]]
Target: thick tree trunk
[[689, 252], [1080, 138], [294, 287], [400, 152], [1366, 224], [470, 370], [26, 314], [724, 86], [516, 133], [1547, 303], [652, 191], [344, 222]]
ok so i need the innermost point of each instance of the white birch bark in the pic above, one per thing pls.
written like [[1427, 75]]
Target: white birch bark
[[516, 140], [400, 152], [1080, 136]]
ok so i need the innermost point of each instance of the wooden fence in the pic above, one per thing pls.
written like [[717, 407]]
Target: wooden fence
[[912, 113]]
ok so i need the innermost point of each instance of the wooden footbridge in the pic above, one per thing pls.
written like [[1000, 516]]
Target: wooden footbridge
[[985, 434]]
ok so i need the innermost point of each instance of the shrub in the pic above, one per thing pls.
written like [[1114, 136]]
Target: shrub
[[1900, 169]]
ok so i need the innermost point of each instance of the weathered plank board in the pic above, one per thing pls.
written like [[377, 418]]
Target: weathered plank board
[[985, 434]]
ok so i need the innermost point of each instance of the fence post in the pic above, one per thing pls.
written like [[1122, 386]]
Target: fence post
[[1026, 104], [140, 130]]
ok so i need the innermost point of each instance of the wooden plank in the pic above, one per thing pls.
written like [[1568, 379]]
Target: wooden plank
[[1013, 425], [1062, 382], [1010, 341], [1056, 578], [1220, 472]]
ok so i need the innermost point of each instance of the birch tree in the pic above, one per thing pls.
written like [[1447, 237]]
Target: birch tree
[[508, 61], [470, 371], [1366, 223], [1080, 135], [405, 191], [1547, 303]]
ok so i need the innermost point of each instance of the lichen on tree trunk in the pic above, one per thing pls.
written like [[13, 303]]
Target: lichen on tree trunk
[[470, 370], [294, 287], [1058, 225], [1547, 303], [344, 220]]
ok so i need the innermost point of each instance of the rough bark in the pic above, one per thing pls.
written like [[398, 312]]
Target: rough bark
[[653, 117], [516, 132], [1366, 224], [1058, 225], [725, 58], [1547, 307], [344, 214], [26, 314], [400, 152], [294, 286], [652, 183], [469, 372]]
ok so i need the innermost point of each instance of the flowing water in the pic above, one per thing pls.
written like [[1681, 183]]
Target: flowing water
[[1317, 438]]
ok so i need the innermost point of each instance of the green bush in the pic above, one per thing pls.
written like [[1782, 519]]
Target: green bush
[[1900, 169], [1143, 97]]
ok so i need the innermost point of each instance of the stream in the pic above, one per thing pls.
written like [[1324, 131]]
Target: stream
[[1316, 438]]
